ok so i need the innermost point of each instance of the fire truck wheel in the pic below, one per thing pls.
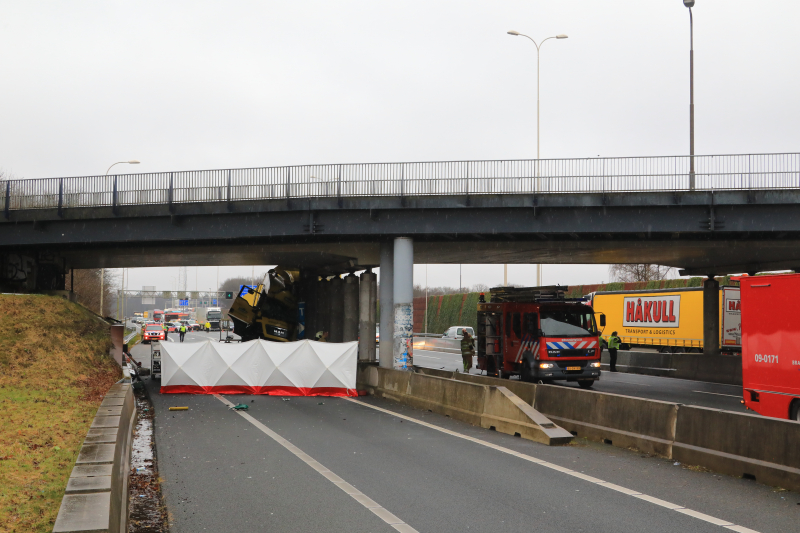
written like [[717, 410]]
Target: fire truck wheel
[[586, 383], [794, 411]]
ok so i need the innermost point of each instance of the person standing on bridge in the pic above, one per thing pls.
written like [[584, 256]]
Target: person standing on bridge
[[613, 345], [208, 327], [183, 331], [467, 350], [166, 331]]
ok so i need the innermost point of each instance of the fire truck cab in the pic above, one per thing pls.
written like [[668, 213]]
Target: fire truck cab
[[538, 334]]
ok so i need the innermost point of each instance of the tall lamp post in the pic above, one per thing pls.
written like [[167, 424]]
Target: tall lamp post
[[690, 4], [538, 49], [103, 270]]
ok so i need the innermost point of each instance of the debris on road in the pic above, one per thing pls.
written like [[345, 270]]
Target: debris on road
[[178, 408], [239, 407]]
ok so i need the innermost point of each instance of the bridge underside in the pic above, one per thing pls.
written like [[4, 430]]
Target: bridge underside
[[699, 232], [696, 257]]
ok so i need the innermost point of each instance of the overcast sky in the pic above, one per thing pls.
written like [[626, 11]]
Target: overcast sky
[[197, 85]]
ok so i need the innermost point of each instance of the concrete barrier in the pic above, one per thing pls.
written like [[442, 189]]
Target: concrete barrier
[[624, 421], [725, 369], [96, 497], [522, 389], [477, 404], [740, 444]]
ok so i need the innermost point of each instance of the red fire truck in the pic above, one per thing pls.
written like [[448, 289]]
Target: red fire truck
[[770, 340], [539, 334]]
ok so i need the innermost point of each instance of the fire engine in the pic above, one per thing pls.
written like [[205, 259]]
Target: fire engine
[[538, 334], [770, 336]]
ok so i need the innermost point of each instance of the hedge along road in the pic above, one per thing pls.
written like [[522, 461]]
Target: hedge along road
[[334, 464]]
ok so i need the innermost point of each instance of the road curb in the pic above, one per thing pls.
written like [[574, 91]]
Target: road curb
[[96, 497]]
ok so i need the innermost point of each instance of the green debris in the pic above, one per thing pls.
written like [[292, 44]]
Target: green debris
[[240, 407]]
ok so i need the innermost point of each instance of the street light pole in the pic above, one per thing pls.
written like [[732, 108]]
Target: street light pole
[[103, 270], [538, 48], [690, 4]]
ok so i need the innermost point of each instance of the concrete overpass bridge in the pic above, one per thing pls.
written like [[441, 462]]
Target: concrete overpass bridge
[[735, 213]]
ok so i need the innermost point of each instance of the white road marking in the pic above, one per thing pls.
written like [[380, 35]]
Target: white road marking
[[350, 490], [589, 479], [719, 394]]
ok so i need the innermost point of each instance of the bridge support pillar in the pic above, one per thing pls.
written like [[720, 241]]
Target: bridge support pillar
[[403, 282], [386, 356], [335, 314], [350, 327], [323, 301], [710, 316], [366, 316]]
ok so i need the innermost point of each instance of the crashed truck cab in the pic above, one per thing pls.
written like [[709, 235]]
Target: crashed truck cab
[[538, 334]]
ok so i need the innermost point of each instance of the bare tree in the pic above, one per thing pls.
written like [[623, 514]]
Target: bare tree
[[87, 288], [638, 272]]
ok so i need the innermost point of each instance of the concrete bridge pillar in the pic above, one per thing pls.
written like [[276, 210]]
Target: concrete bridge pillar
[[710, 316], [323, 304], [350, 327], [310, 296], [387, 305], [403, 293], [336, 314], [366, 316]]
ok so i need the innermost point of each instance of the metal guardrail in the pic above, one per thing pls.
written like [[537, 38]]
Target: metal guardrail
[[529, 176]]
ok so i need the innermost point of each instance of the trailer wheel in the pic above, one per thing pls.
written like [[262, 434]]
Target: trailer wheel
[[586, 383]]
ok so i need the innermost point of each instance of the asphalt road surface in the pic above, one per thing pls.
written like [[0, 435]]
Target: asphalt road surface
[[324, 464], [701, 393]]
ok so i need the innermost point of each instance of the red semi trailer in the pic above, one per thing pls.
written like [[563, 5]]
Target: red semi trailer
[[771, 345]]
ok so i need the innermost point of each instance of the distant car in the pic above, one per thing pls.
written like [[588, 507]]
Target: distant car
[[153, 332], [194, 326], [457, 332], [173, 326]]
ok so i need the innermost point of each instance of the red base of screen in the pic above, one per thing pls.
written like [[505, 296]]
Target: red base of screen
[[270, 391]]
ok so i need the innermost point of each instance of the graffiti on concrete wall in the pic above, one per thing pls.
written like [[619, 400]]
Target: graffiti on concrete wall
[[403, 347]]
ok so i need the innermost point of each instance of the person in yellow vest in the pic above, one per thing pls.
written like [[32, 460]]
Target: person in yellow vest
[[166, 331], [208, 327], [183, 331], [613, 345]]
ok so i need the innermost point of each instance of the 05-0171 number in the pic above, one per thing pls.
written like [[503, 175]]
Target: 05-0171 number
[[761, 358]]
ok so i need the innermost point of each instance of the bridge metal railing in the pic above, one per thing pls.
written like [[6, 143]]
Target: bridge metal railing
[[529, 176]]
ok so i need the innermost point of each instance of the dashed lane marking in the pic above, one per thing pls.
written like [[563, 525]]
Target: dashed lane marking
[[337, 481], [599, 482]]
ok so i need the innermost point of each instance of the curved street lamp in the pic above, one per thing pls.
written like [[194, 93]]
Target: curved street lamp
[[538, 48], [131, 162], [103, 270]]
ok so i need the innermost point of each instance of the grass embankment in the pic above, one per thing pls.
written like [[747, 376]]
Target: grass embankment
[[54, 372]]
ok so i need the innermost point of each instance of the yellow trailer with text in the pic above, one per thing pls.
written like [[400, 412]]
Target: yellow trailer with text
[[670, 319]]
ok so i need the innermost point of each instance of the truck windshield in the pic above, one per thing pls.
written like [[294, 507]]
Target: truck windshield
[[214, 315], [567, 323]]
